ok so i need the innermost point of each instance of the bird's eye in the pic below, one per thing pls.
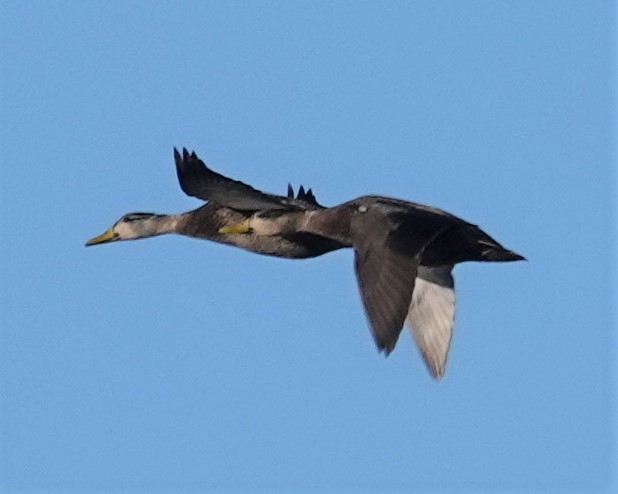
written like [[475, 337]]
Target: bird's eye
[[362, 209]]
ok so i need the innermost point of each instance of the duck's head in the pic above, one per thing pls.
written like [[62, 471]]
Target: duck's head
[[130, 227]]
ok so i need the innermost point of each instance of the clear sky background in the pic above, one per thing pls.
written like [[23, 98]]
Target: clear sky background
[[180, 365]]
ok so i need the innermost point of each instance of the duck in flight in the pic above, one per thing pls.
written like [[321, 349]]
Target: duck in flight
[[404, 252]]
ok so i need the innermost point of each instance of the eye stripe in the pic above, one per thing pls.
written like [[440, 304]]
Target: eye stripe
[[137, 216]]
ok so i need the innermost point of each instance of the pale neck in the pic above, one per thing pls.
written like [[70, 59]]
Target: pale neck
[[164, 223]]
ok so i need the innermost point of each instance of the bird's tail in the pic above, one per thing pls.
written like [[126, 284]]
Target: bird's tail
[[485, 248]]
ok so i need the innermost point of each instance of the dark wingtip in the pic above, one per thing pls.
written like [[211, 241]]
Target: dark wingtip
[[385, 347], [310, 197], [290, 191], [189, 170]]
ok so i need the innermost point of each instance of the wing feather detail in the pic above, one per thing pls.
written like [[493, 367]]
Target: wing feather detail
[[432, 315], [386, 265], [197, 180]]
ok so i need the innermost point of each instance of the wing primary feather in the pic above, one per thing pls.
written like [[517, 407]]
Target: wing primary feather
[[197, 180]]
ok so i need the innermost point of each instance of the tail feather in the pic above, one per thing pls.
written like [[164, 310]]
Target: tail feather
[[501, 255], [489, 249], [463, 243]]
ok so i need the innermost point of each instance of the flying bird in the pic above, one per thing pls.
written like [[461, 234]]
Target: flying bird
[[404, 252]]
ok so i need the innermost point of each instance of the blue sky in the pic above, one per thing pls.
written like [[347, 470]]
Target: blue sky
[[179, 365]]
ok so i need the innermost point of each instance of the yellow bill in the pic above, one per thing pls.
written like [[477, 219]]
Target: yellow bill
[[106, 236]]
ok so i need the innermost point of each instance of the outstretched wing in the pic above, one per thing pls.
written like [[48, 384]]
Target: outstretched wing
[[432, 315], [386, 261], [197, 180], [386, 281]]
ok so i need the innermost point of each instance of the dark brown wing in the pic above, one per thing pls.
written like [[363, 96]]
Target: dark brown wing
[[197, 180], [386, 281], [387, 256]]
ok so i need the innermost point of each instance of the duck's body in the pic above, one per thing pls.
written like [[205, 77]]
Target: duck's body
[[446, 239], [404, 251], [207, 222]]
